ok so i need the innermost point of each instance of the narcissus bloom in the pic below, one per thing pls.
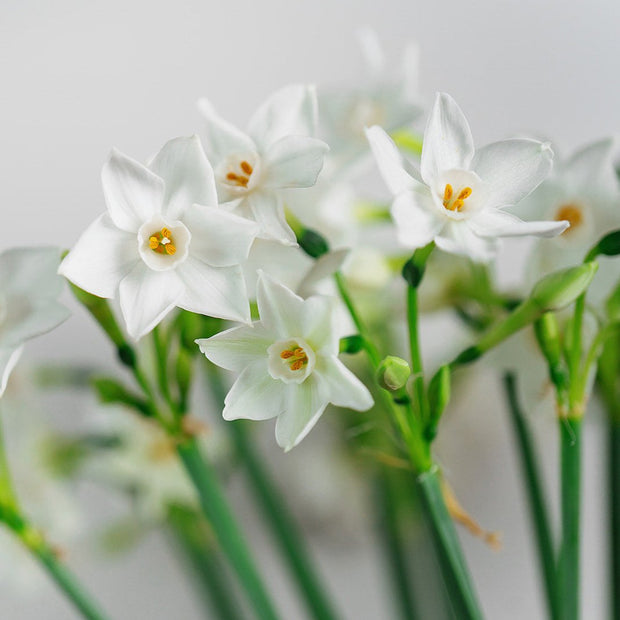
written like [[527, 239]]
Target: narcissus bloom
[[458, 197], [278, 152], [288, 364], [163, 241], [29, 304]]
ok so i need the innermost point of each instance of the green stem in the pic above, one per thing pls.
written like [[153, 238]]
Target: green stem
[[535, 495], [414, 348], [197, 544], [63, 577], [276, 514], [456, 577], [394, 547], [570, 437], [219, 514], [614, 514]]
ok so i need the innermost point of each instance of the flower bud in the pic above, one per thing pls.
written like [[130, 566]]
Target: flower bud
[[393, 373], [312, 243], [561, 288], [352, 344], [609, 245]]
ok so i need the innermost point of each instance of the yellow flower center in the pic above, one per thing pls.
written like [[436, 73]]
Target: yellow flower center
[[452, 202], [162, 243], [296, 357], [573, 214], [241, 178]]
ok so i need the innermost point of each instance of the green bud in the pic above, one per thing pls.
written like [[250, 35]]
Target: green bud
[[352, 344], [413, 269], [312, 243], [561, 288], [393, 373], [609, 245], [438, 397], [111, 391], [548, 336]]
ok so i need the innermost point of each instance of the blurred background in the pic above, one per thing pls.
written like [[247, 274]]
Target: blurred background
[[78, 78]]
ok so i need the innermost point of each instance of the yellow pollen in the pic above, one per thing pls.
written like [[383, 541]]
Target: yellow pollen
[[161, 242], [246, 167], [458, 203], [295, 357], [571, 213]]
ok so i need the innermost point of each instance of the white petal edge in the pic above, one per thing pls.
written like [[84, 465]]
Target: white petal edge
[[511, 169], [101, 258], [448, 143], [255, 395], [294, 161], [146, 297], [236, 348], [500, 224], [133, 194], [187, 173], [279, 308], [343, 388], [417, 219], [458, 238], [292, 110], [267, 211], [8, 361]]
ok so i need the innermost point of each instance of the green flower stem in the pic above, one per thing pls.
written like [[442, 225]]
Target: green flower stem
[[276, 514], [609, 383], [34, 541], [453, 564], [414, 348], [456, 577], [221, 518], [196, 542], [393, 545], [570, 437], [535, 496]]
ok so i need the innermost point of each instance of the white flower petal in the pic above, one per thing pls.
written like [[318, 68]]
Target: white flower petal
[[417, 220], [499, 224], [448, 143], [28, 318], [214, 291], [237, 347], [187, 173], [279, 308], [318, 324], [133, 194], [31, 271], [322, 268], [511, 169], [146, 296], [8, 360], [293, 161], [343, 388], [101, 258], [219, 238], [389, 160], [254, 395], [222, 138], [305, 404], [268, 212], [292, 110], [591, 169], [458, 238]]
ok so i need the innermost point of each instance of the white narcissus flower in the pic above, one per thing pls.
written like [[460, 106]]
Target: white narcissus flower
[[386, 97], [583, 190], [28, 301], [288, 364], [457, 199], [277, 152], [163, 241]]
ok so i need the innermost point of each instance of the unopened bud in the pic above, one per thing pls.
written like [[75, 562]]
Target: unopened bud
[[609, 245], [393, 373], [561, 288], [352, 344], [312, 243]]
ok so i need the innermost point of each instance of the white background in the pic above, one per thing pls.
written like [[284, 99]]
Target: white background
[[77, 78]]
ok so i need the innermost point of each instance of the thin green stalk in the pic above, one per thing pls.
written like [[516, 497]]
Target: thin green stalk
[[219, 514], [456, 577], [393, 546], [63, 577], [535, 495], [570, 437], [414, 349], [198, 546], [614, 514], [277, 516]]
